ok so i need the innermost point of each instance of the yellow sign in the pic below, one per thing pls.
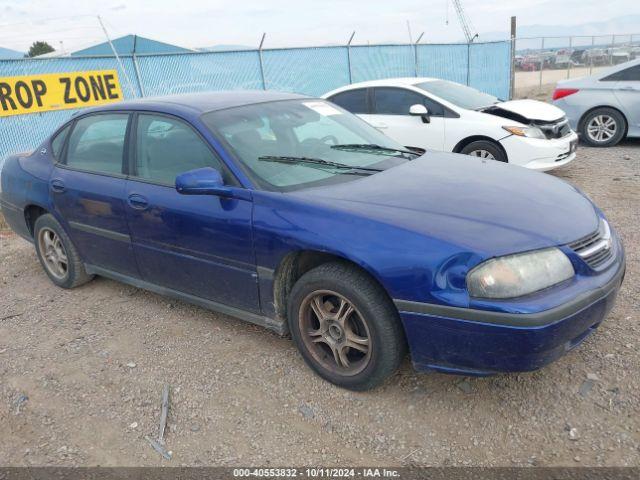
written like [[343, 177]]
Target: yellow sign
[[58, 91]]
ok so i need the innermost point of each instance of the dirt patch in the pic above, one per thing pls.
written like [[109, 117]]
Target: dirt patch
[[81, 376]]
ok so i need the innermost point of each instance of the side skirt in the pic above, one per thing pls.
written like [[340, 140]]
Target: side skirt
[[279, 327]]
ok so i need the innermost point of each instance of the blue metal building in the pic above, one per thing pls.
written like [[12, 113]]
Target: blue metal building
[[8, 53], [129, 45]]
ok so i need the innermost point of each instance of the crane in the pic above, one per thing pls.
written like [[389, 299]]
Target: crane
[[465, 23]]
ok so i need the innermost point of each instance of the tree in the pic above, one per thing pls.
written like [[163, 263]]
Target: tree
[[39, 48]]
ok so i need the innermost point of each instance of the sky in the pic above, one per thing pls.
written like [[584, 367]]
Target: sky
[[204, 23]]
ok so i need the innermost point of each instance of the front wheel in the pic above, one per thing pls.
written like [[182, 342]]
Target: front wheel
[[484, 149], [345, 326]]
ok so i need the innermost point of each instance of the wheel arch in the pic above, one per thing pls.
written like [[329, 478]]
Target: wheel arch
[[476, 138], [295, 264], [584, 116], [31, 213]]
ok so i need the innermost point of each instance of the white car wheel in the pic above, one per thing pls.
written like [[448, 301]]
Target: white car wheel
[[482, 154]]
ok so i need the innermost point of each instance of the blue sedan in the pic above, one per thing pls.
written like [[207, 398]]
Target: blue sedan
[[291, 213]]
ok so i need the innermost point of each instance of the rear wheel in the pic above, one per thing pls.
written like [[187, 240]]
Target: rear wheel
[[345, 326], [57, 254], [603, 127], [484, 149]]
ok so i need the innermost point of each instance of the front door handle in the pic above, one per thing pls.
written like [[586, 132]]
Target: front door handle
[[137, 201], [57, 186], [380, 126]]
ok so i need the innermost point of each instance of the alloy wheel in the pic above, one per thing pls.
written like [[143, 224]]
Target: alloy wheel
[[602, 128], [335, 333], [482, 154], [53, 253]]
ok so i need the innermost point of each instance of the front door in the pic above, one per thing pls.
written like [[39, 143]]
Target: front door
[[390, 115], [195, 244], [88, 191]]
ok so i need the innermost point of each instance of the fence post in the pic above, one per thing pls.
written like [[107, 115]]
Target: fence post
[[262, 77], [570, 56], [613, 44], [118, 59], [349, 57], [136, 69], [415, 53], [512, 73], [541, 65], [593, 43], [468, 62]]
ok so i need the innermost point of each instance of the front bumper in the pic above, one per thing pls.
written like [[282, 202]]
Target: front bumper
[[540, 154], [479, 342]]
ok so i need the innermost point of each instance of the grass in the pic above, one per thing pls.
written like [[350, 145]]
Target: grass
[[3, 224]]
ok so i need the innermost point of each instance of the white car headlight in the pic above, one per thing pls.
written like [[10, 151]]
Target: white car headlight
[[530, 132], [516, 275]]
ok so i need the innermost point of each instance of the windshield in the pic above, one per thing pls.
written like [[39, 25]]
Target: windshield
[[460, 95], [302, 130]]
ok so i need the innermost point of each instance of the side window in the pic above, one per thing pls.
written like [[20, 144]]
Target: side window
[[631, 74], [58, 142], [354, 101], [96, 143], [167, 147], [398, 101]]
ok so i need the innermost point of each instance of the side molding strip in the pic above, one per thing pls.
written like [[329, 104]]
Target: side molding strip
[[279, 327], [120, 237]]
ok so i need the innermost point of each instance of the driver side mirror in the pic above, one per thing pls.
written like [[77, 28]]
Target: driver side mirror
[[419, 110], [202, 181]]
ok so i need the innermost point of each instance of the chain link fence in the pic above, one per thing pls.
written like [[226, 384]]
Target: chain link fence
[[311, 71], [540, 62]]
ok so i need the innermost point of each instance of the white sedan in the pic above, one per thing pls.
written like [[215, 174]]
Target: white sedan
[[441, 115]]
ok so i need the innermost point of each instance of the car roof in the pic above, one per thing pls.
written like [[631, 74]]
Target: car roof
[[593, 79], [385, 82], [202, 102], [393, 82]]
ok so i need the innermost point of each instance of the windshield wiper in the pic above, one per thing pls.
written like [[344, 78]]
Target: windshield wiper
[[372, 148], [315, 161]]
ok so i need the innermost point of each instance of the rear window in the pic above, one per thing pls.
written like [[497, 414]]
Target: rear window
[[354, 101], [631, 74], [58, 142]]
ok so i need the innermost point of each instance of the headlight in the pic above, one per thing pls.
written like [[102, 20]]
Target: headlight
[[531, 132], [516, 275]]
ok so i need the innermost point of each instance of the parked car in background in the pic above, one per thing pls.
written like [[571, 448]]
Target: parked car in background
[[446, 116], [604, 108], [291, 213]]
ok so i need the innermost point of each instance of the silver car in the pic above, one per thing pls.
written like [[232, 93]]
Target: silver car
[[603, 108]]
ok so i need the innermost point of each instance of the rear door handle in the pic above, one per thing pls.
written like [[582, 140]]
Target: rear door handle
[[628, 87], [137, 201], [57, 186]]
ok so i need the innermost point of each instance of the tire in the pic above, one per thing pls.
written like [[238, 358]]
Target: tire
[[603, 127], [368, 314], [53, 246], [484, 149]]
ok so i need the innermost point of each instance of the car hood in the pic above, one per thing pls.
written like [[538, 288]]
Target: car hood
[[486, 207], [529, 110]]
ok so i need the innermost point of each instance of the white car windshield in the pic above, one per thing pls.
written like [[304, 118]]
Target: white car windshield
[[292, 144], [460, 95]]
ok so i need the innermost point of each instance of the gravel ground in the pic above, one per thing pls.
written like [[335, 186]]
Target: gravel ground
[[82, 371]]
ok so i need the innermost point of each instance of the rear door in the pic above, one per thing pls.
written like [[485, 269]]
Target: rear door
[[201, 245], [88, 191], [627, 91], [390, 114]]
